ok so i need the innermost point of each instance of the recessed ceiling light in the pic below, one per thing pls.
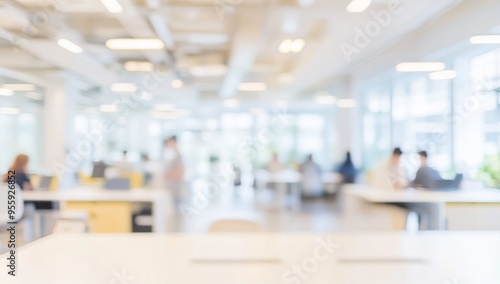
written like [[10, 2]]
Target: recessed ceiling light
[[290, 45], [286, 46], [176, 84], [19, 87], [164, 107], [138, 66], [325, 99], [108, 108], [443, 75], [6, 92], [297, 45], [9, 110], [252, 87], [420, 66], [69, 46], [358, 6], [304, 3], [135, 44], [485, 39], [231, 103], [123, 88], [113, 6], [346, 103]]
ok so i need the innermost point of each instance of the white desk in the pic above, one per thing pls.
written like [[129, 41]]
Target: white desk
[[389, 258], [158, 198], [432, 201]]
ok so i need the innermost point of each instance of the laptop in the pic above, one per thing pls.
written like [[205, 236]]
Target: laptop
[[448, 184], [98, 170], [45, 182], [117, 184]]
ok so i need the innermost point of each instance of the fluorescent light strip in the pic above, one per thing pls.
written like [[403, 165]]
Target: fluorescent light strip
[[231, 103], [9, 110], [19, 87], [113, 6], [6, 92], [346, 103], [290, 45], [138, 66], [358, 6], [123, 88], [420, 66], [135, 44], [325, 100], [176, 84], [443, 75], [485, 39], [252, 87], [69, 46]]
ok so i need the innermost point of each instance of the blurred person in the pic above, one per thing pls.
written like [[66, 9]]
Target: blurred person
[[20, 167], [173, 168], [390, 173], [425, 174], [312, 183], [124, 166], [147, 168], [347, 169], [275, 165]]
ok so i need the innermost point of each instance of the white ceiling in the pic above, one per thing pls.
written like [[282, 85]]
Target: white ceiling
[[242, 35]]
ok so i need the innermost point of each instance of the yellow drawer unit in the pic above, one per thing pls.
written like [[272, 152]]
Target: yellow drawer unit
[[105, 217]]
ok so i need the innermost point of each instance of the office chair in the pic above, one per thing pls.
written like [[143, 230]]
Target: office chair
[[234, 226]]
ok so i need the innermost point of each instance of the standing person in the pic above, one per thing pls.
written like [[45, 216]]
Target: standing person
[[425, 174], [347, 169], [20, 167], [275, 166], [173, 168], [390, 173], [312, 183]]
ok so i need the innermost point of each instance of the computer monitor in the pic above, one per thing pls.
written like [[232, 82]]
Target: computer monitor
[[98, 170], [448, 184]]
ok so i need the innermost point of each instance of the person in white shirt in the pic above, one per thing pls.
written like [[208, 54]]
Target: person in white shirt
[[275, 166], [390, 174], [173, 168]]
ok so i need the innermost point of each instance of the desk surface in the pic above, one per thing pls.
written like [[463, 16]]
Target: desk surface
[[90, 194], [388, 258], [419, 195]]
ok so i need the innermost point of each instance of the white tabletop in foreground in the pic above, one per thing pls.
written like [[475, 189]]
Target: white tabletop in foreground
[[438, 257]]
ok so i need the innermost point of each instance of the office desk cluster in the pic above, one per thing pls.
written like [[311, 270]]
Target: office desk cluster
[[110, 211], [465, 209]]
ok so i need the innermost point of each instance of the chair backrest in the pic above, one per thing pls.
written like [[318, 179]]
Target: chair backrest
[[234, 226], [17, 201]]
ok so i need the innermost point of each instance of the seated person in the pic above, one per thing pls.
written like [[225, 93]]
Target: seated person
[[425, 174], [390, 173], [347, 169], [20, 167]]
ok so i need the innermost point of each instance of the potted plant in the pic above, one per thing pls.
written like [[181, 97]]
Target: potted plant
[[490, 171]]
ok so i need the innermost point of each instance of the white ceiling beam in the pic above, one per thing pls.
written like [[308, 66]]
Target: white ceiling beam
[[137, 27], [244, 49]]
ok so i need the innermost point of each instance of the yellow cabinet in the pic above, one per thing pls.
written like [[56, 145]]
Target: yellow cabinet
[[106, 217]]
